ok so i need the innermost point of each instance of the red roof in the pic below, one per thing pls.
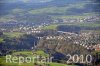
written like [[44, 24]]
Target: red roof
[[97, 49]]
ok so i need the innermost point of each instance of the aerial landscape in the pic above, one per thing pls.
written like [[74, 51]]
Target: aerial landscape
[[49, 33]]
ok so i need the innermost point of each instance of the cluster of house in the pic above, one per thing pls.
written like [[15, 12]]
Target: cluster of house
[[23, 29], [83, 39], [85, 19], [97, 47], [93, 47]]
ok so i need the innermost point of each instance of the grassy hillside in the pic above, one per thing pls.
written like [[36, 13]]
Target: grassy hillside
[[13, 34], [57, 10], [28, 12], [54, 26], [26, 53], [1, 40]]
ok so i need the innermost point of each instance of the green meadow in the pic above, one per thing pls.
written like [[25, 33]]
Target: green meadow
[[1, 40], [54, 26], [27, 53], [13, 34]]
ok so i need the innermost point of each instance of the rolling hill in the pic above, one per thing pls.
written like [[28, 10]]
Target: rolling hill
[[29, 11]]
